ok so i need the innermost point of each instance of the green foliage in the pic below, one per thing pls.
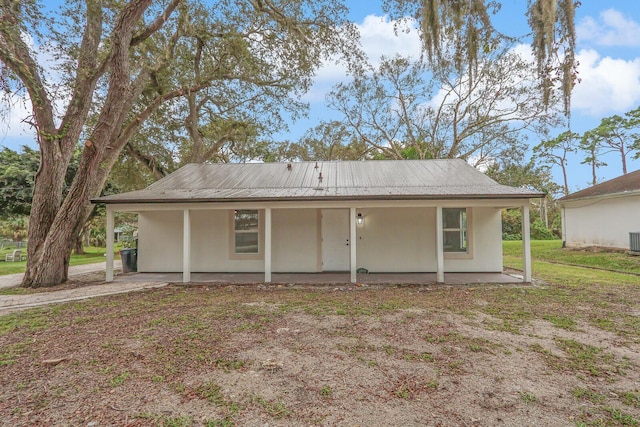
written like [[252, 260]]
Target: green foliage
[[245, 89], [514, 171], [613, 134], [555, 151], [217, 73], [540, 232], [13, 228], [17, 172], [511, 224], [327, 141]]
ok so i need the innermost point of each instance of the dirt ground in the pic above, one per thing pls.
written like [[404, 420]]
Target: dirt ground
[[324, 355]]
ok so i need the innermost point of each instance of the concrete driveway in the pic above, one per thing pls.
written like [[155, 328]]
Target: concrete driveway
[[10, 303], [14, 280]]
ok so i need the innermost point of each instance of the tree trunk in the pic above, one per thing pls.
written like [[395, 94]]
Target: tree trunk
[[593, 166], [566, 181], [58, 225], [47, 198], [55, 251], [78, 247]]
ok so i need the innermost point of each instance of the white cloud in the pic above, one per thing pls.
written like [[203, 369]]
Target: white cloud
[[614, 29], [13, 125], [607, 85], [378, 36], [381, 36]]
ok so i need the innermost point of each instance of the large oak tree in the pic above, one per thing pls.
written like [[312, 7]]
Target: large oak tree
[[119, 62]]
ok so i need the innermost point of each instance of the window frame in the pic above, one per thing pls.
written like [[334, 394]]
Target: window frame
[[468, 230], [233, 232]]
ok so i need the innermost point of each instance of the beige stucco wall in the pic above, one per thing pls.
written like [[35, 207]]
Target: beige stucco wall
[[295, 245], [602, 222], [486, 244], [391, 240], [294, 242], [160, 241], [397, 240]]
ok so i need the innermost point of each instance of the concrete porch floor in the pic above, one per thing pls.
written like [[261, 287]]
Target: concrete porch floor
[[323, 278]]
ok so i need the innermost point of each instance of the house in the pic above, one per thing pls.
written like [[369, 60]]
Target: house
[[602, 215], [118, 234], [312, 217]]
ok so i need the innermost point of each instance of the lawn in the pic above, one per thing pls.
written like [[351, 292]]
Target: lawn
[[91, 255], [564, 351], [552, 251]]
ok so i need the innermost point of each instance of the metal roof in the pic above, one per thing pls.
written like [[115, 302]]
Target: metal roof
[[623, 184], [341, 180]]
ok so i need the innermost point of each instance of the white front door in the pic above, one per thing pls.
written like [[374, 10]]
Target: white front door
[[335, 239]]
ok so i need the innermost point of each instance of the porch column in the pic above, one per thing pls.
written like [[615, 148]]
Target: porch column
[[109, 272], [526, 244], [186, 246], [352, 244], [563, 224], [439, 246], [267, 245]]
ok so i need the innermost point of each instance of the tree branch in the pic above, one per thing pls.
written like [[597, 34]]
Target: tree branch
[[155, 25]]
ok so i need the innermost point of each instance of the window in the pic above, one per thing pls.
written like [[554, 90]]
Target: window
[[454, 229], [246, 231]]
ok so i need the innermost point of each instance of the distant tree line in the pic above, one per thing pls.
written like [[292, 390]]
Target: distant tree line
[[615, 134]]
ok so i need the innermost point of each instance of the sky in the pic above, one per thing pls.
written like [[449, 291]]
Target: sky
[[608, 52]]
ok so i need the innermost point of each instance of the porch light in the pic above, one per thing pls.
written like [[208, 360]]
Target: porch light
[[360, 219]]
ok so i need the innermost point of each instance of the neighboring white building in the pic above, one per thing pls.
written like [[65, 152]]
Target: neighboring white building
[[602, 215], [313, 217]]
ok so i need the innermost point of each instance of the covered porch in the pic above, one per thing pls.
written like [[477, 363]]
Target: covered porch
[[263, 268]]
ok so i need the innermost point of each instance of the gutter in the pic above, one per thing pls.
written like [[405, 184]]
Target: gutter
[[321, 199]]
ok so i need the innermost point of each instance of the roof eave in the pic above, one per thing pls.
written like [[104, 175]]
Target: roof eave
[[322, 198], [568, 199]]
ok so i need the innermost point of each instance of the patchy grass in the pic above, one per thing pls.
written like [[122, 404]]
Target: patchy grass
[[565, 350]]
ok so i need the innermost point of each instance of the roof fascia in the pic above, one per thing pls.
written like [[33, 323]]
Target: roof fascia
[[358, 204], [600, 197]]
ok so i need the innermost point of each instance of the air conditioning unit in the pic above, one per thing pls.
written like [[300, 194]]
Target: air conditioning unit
[[634, 242]]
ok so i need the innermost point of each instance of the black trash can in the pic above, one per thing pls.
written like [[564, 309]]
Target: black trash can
[[129, 260]]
